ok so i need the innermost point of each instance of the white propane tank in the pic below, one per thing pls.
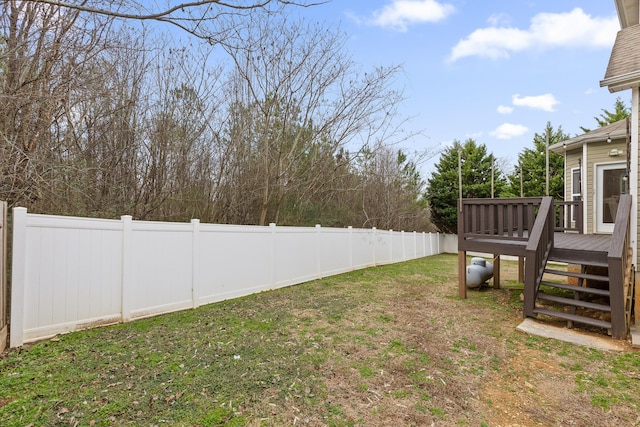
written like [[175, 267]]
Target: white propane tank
[[478, 272]]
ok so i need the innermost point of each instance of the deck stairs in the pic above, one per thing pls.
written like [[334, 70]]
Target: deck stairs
[[578, 295]]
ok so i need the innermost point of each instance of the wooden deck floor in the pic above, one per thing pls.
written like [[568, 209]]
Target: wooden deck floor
[[562, 241], [583, 242]]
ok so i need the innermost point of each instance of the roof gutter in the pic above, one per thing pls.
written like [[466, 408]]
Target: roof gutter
[[581, 140], [625, 81]]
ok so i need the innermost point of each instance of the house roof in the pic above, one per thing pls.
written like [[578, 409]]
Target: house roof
[[623, 71], [627, 12], [615, 131]]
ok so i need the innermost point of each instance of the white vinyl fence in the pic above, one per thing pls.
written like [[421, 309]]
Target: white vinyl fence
[[73, 273]]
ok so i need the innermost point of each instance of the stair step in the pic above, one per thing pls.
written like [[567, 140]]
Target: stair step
[[596, 277], [573, 260], [573, 302], [575, 288], [573, 256], [574, 318]]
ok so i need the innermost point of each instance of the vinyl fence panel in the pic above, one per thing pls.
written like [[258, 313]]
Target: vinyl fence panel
[[72, 273], [363, 247], [335, 249], [67, 274], [3, 277], [234, 260], [161, 261], [384, 246], [295, 255]]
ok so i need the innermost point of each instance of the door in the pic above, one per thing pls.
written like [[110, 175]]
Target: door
[[611, 181]]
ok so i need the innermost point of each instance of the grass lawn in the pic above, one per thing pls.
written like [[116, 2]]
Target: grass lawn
[[390, 345]]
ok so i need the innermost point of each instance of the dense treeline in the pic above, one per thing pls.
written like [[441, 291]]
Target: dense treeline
[[99, 117]]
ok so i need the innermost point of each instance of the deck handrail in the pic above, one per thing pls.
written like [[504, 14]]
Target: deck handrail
[[617, 260], [537, 252]]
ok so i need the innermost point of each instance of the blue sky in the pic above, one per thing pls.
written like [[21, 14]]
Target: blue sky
[[493, 70]]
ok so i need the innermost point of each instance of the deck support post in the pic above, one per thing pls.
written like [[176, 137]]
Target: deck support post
[[496, 271], [520, 269], [617, 302], [462, 274], [530, 288], [617, 260], [636, 286]]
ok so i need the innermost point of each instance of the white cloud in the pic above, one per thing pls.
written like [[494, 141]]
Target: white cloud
[[544, 102], [498, 18], [508, 131], [399, 14], [574, 29], [505, 109]]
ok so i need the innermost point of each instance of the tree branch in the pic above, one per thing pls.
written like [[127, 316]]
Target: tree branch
[[164, 15]]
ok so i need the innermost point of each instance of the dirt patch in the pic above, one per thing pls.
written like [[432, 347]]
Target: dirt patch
[[527, 393]]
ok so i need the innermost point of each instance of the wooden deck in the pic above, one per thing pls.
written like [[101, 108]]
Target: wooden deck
[[539, 231]]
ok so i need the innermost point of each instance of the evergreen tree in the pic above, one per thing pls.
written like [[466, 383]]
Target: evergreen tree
[[607, 117], [442, 188], [532, 163]]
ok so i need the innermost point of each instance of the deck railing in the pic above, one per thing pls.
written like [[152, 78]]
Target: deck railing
[[508, 222], [498, 218], [496, 225], [618, 259], [569, 216], [537, 252]]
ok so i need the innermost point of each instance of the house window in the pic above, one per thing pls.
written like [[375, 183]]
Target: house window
[[576, 189]]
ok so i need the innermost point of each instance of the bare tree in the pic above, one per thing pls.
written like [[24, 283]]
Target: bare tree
[[391, 190], [103, 119], [178, 151], [45, 49], [307, 99]]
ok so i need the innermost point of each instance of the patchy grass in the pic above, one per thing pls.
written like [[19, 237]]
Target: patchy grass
[[381, 346]]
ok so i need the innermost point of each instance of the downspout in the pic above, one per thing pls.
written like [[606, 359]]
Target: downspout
[[568, 191], [633, 183]]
